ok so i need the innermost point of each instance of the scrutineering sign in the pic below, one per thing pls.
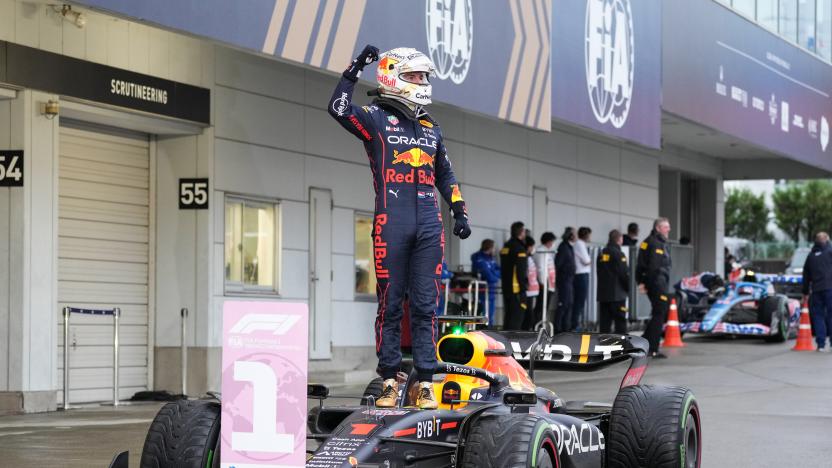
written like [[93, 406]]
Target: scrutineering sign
[[264, 366], [11, 168]]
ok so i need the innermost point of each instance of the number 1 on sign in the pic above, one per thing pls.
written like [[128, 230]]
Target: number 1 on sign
[[263, 436]]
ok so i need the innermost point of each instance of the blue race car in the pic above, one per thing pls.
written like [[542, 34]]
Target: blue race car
[[741, 308]]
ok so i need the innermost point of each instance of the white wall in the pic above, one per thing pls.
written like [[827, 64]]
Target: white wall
[[28, 259]]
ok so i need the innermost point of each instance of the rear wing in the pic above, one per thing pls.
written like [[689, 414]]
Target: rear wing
[[574, 351]]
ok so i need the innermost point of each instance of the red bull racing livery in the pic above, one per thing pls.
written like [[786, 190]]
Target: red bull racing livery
[[409, 161]]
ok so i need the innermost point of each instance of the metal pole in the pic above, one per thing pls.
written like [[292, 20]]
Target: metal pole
[[66, 357], [184, 314], [545, 287], [116, 314]]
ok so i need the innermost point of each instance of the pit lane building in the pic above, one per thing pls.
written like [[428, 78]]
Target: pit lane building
[[157, 158]]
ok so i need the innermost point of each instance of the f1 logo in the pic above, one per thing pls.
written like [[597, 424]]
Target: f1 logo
[[277, 324]]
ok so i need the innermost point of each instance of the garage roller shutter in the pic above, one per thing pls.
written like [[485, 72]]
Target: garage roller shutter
[[103, 251]]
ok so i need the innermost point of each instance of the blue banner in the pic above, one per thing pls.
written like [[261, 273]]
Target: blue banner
[[606, 69], [492, 56], [728, 73]]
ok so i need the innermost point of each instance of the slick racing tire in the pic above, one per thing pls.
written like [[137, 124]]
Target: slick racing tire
[[775, 306], [654, 427], [373, 389], [510, 441], [184, 434]]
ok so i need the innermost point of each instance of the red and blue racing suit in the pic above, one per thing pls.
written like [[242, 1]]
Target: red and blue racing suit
[[408, 160]]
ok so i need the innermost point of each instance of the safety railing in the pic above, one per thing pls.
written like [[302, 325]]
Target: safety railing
[[116, 314]]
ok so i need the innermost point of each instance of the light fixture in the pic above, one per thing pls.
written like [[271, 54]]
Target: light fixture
[[51, 109], [76, 17]]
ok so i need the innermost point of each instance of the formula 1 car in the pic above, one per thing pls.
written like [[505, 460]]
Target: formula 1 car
[[748, 307], [491, 413]]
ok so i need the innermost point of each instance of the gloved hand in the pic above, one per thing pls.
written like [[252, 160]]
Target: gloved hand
[[366, 57], [461, 227]]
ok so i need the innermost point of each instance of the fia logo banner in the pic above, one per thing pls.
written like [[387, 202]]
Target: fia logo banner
[[449, 27], [610, 59]]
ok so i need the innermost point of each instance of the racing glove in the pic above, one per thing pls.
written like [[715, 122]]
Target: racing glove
[[461, 227], [366, 57]]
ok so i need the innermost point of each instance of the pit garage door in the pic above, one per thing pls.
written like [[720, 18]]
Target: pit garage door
[[103, 252]]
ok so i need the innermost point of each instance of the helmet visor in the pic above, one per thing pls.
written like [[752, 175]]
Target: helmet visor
[[415, 77]]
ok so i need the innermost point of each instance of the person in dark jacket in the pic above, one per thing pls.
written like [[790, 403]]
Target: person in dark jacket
[[817, 281], [565, 280], [632, 235], [514, 267], [653, 276], [613, 284], [484, 265]]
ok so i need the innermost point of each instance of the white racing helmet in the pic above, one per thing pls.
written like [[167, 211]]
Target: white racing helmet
[[403, 60]]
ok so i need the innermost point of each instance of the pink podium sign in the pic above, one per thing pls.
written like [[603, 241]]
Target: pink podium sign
[[265, 348]]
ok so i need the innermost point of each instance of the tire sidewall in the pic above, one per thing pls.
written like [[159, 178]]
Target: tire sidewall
[[690, 409], [542, 440]]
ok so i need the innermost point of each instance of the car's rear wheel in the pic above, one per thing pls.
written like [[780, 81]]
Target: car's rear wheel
[[654, 427], [184, 434], [771, 308], [510, 441]]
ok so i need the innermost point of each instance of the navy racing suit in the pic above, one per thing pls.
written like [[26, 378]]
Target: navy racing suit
[[408, 159]]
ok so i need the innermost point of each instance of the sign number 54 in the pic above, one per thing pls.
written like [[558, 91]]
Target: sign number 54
[[193, 194], [11, 168]]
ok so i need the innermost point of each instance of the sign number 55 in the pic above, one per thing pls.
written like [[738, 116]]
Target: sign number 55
[[11, 168], [193, 194]]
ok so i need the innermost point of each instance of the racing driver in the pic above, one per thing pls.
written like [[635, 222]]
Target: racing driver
[[408, 159]]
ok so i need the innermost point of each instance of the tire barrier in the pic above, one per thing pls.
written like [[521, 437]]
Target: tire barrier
[[116, 314]]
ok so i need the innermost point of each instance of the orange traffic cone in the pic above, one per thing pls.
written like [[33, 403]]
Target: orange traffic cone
[[804, 332], [672, 334]]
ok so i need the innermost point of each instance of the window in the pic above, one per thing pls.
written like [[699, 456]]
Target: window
[[767, 14], [788, 19], [365, 277], [806, 24], [251, 246], [824, 31]]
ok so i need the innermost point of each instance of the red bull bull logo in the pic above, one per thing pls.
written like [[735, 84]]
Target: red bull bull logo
[[414, 156], [385, 65]]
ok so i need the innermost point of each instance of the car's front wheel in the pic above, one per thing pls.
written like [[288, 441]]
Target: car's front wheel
[[654, 427], [510, 441], [184, 434]]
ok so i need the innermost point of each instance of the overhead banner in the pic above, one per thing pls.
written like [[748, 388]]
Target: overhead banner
[[606, 67], [730, 74], [492, 56]]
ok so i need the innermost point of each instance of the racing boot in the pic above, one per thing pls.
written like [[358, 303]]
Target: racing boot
[[390, 395], [426, 398]]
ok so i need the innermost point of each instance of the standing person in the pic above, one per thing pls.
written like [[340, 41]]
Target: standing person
[[408, 161], [533, 292], [653, 276], [514, 269], [565, 280], [632, 235], [546, 271], [583, 266], [613, 284], [484, 265], [817, 281]]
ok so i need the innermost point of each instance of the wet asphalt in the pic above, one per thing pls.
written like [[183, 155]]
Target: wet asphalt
[[762, 405]]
